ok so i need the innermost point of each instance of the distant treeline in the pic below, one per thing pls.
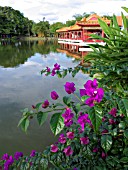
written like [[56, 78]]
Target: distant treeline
[[13, 23]]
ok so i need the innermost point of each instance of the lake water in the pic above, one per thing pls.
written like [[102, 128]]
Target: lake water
[[22, 85]]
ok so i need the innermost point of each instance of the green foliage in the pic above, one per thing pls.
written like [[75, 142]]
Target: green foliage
[[42, 117], [41, 28], [13, 22], [95, 116], [55, 26], [56, 123]]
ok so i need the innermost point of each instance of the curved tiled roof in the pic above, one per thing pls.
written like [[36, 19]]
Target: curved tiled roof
[[93, 20], [74, 27], [62, 29]]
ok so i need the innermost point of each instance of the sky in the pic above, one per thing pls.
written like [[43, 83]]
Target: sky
[[63, 10]]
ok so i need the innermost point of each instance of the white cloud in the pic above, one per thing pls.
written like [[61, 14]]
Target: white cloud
[[63, 10]]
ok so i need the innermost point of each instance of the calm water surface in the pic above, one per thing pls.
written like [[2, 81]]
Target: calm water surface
[[22, 85]]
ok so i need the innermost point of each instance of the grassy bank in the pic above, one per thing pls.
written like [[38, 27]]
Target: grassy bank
[[38, 38]]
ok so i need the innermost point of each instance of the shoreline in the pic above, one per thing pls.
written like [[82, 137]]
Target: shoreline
[[38, 38]]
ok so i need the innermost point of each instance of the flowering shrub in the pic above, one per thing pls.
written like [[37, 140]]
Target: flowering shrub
[[93, 132]]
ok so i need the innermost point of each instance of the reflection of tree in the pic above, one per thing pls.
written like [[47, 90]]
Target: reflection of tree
[[11, 55], [45, 47]]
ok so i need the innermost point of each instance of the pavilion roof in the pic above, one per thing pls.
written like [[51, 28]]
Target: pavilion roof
[[92, 20], [62, 29], [74, 27]]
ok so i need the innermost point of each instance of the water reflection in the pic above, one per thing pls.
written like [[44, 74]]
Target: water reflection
[[73, 50], [14, 53], [22, 85]]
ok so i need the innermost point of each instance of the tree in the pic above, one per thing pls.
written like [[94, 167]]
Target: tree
[[41, 28], [55, 26], [13, 22]]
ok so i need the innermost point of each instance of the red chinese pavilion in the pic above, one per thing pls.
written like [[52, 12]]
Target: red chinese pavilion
[[80, 32]]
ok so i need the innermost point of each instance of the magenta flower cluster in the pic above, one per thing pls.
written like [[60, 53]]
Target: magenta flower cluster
[[69, 87], [53, 71], [46, 103], [94, 93], [83, 120], [9, 159], [56, 67], [63, 139], [54, 95], [68, 117]]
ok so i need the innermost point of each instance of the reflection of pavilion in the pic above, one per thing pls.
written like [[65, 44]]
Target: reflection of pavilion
[[73, 51]]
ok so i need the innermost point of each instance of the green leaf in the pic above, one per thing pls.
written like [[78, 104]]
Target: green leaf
[[96, 118], [106, 142], [126, 9], [125, 101], [25, 124], [83, 98], [124, 160], [38, 105], [66, 100], [21, 120], [74, 72], [59, 74], [44, 163], [64, 73], [125, 22], [125, 151], [123, 106], [126, 133], [57, 123], [104, 26], [42, 117]]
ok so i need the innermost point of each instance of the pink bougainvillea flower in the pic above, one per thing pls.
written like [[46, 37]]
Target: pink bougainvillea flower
[[8, 163], [112, 122], [103, 119], [5, 156], [18, 155], [33, 106], [54, 95], [84, 140], [94, 93], [82, 120], [54, 148], [69, 87], [62, 139], [56, 66], [113, 112], [68, 122], [91, 84], [45, 104], [95, 150], [90, 102], [103, 155], [53, 72], [48, 69], [33, 153], [68, 151], [68, 114], [70, 135]]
